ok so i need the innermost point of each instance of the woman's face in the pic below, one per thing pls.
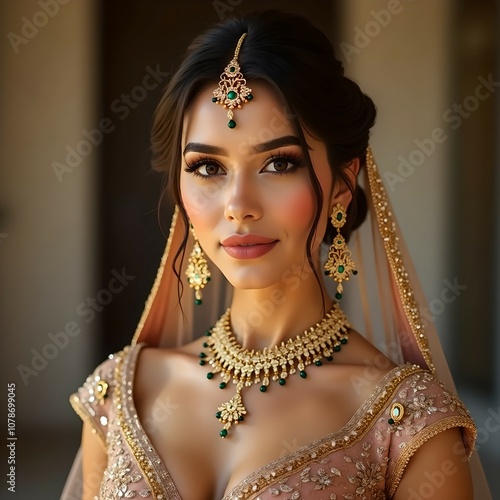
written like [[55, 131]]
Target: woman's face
[[247, 190]]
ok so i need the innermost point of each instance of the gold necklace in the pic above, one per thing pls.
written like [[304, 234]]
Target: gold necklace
[[246, 368]]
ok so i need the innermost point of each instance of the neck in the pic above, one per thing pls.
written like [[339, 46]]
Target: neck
[[266, 317]]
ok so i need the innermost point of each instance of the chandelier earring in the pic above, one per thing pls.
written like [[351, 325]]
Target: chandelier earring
[[197, 271], [339, 264]]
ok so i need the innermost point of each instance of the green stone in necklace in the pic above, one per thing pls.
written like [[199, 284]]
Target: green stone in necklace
[[246, 368]]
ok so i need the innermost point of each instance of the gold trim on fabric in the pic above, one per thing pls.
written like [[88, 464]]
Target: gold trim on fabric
[[156, 284], [387, 228], [412, 446], [357, 427], [154, 470], [82, 412]]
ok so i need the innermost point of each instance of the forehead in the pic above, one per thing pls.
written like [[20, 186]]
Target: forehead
[[260, 120]]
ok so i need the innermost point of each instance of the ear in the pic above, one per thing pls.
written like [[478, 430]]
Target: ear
[[341, 192]]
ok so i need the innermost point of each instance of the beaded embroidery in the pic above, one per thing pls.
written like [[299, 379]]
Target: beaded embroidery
[[351, 463]]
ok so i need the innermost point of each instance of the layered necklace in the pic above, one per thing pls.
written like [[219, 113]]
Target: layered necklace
[[248, 367]]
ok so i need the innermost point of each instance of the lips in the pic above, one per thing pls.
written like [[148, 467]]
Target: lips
[[248, 246]]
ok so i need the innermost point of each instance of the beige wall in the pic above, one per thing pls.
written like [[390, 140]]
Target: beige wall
[[404, 60], [399, 53], [47, 97]]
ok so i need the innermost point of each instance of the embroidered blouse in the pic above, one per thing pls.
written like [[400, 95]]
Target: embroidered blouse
[[364, 460]]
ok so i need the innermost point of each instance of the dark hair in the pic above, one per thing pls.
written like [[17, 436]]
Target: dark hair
[[297, 60]]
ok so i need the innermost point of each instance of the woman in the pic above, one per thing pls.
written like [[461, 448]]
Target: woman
[[279, 395]]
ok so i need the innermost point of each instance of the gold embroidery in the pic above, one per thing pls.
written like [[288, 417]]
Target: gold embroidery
[[354, 431], [128, 432], [148, 460], [412, 446], [97, 390], [324, 478], [82, 412], [310, 467], [118, 475], [369, 475], [387, 228]]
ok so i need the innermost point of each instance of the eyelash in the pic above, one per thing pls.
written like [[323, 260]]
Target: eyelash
[[193, 167], [295, 159]]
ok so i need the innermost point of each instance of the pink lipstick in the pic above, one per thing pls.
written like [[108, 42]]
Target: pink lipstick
[[248, 246]]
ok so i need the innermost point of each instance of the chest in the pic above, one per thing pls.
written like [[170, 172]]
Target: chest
[[179, 417]]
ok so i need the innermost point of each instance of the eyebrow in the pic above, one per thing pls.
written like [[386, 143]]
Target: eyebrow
[[287, 140]]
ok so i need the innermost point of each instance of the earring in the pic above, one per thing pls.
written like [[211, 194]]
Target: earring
[[339, 264], [197, 270]]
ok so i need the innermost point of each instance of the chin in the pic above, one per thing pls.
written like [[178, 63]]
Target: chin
[[250, 280]]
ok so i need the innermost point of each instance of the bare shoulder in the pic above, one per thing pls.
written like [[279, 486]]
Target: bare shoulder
[[364, 366], [156, 369], [439, 460]]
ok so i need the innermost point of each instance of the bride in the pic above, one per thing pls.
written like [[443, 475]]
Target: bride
[[254, 384]]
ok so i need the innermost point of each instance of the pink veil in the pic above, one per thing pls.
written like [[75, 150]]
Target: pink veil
[[385, 299]]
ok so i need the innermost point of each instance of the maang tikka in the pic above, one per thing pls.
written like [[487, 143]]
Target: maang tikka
[[197, 271], [232, 91], [339, 264]]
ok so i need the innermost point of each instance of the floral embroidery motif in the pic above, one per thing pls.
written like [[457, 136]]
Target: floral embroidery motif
[[370, 475], [119, 476], [322, 479], [418, 404], [453, 402], [368, 478], [364, 460]]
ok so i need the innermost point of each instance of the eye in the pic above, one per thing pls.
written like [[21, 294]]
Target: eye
[[205, 168], [282, 164], [208, 169]]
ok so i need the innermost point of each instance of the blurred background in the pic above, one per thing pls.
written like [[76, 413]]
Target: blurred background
[[80, 239]]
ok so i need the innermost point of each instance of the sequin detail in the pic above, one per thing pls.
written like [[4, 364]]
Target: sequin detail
[[365, 459], [388, 231]]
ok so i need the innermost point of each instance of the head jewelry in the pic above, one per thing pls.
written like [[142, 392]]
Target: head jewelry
[[232, 91]]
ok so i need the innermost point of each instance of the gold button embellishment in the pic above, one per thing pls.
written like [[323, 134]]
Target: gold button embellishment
[[101, 391], [396, 413]]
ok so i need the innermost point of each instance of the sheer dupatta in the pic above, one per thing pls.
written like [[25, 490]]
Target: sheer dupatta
[[384, 302]]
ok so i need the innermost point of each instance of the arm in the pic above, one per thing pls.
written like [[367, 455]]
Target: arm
[[438, 470], [94, 462]]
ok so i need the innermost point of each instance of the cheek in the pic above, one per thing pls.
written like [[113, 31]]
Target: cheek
[[198, 198], [297, 209]]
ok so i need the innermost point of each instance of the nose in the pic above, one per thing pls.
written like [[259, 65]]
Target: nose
[[243, 200]]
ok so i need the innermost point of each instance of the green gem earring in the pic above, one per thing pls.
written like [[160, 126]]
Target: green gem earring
[[339, 264], [197, 271]]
